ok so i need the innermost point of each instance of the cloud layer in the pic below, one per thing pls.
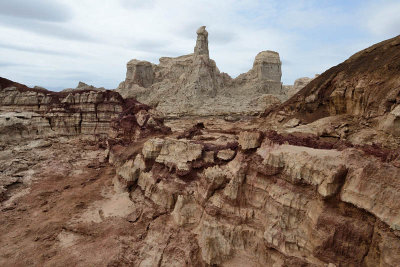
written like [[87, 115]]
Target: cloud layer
[[57, 43], [42, 10]]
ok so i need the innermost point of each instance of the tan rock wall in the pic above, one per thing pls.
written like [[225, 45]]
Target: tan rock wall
[[77, 112], [279, 205]]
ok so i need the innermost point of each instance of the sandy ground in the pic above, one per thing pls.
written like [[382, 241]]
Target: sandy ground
[[64, 211]]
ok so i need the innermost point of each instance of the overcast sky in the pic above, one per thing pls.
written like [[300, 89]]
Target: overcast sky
[[56, 43]]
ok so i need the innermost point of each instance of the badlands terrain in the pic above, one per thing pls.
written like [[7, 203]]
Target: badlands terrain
[[182, 165]]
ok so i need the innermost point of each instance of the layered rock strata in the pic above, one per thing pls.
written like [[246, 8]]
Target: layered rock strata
[[67, 113], [28, 112], [193, 85], [268, 203]]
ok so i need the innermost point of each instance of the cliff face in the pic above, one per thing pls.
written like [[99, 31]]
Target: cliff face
[[229, 197], [193, 85], [39, 111]]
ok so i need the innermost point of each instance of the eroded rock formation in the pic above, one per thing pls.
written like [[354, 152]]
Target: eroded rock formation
[[193, 85], [29, 112], [269, 202], [76, 112]]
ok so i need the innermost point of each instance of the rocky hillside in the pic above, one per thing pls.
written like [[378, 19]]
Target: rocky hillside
[[365, 85]]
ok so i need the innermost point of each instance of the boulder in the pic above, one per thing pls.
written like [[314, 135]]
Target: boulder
[[249, 140], [151, 148], [179, 154]]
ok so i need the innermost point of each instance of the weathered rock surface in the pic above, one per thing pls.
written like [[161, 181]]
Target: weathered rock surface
[[193, 85], [82, 86], [67, 113], [15, 126], [299, 84], [179, 154], [28, 112], [249, 140], [278, 205], [366, 85]]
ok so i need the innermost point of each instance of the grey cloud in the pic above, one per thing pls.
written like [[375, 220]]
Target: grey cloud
[[137, 4], [36, 50], [159, 47], [221, 37], [188, 30], [42, 10], [150, 45], [4, 64], [45, 28]]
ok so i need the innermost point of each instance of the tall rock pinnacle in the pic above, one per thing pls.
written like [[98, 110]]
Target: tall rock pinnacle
[[201, 47]]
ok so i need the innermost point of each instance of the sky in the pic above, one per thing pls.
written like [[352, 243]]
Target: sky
[[57, 43]]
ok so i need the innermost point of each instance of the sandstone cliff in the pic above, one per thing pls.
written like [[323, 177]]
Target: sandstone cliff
[[193, 85], [77, 112]]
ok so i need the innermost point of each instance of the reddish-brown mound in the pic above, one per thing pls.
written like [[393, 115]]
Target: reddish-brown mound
[[367, 84], [313, 141], [4, 83], [56, 96]]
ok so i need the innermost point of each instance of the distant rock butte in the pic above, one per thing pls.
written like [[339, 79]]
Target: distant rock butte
[[34, 112], [193, 85]]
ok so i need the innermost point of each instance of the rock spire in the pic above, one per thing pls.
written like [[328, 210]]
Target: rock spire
[[201, 47]]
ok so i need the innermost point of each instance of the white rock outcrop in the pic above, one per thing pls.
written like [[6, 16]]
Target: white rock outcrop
[[193, 85]]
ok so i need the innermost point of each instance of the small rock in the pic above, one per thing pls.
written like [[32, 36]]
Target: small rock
[[231, 118], [209, 156], [226, 154], [151, 149], [134, 216], [142, 117], [292, 123], [249, 140]]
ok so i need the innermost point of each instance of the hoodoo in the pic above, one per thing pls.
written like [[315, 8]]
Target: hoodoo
[[201, 47]]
